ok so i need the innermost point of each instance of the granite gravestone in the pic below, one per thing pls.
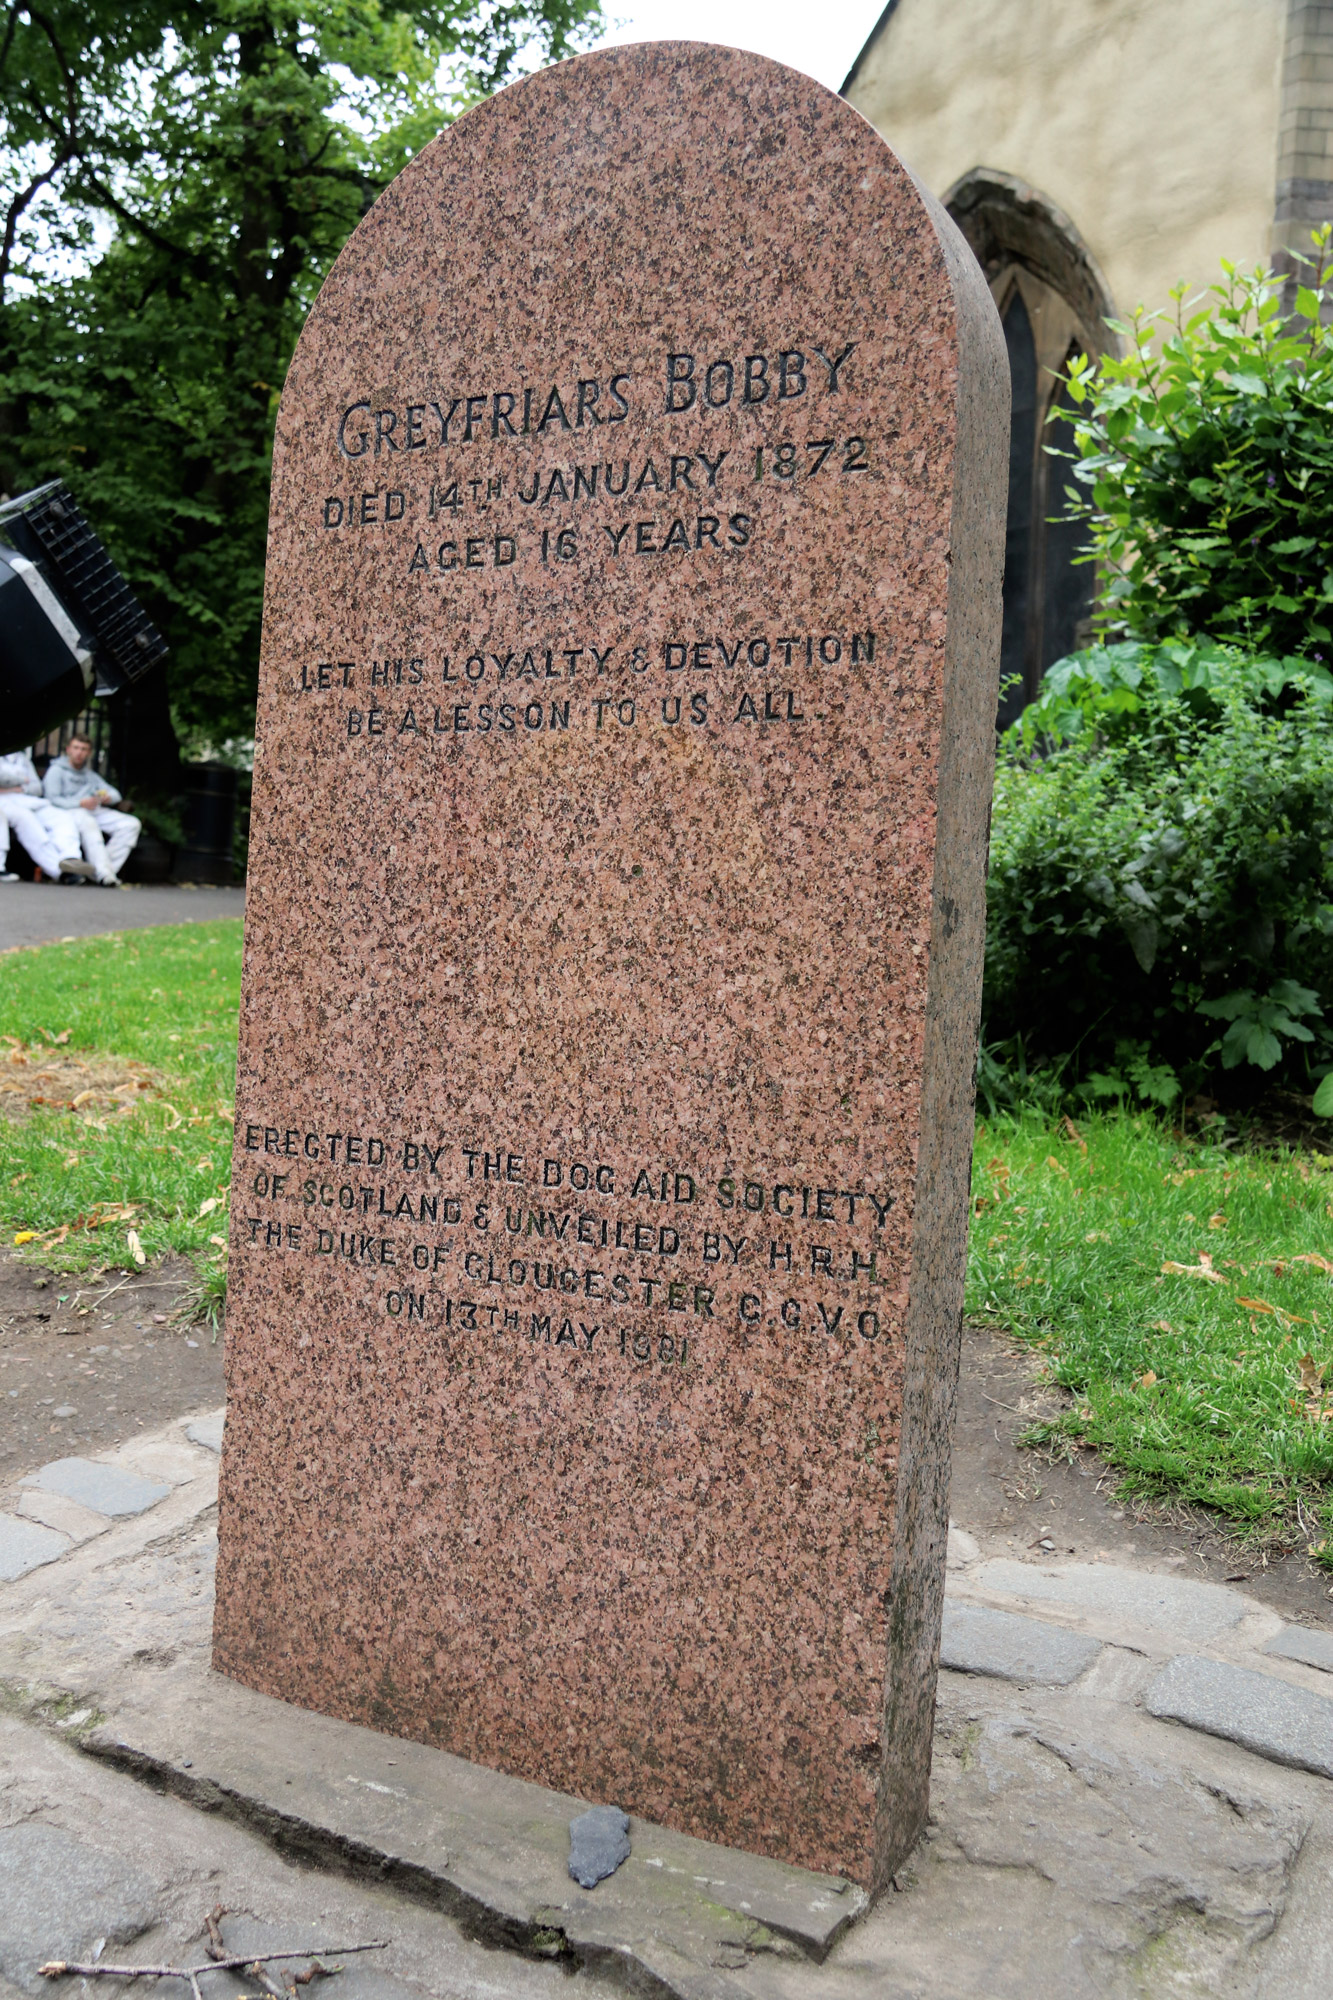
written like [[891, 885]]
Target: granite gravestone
[[613, 958]]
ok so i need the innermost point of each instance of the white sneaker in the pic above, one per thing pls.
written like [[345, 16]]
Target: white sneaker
[[72, 865], [6, 876], [108, 881]]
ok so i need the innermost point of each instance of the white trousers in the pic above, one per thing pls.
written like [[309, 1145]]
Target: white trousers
[[106, 836], [60, 825], [26, 819]]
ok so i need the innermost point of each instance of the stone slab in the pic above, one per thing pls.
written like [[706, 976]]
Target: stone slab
[[174, 1460], [1124, 1597], [197, 1861], [1286, 1724], [1300, 1642], [491, 1849], [105, 1489], [53, 1510], [26, 1545], [207, 1431], [59, 1895], [963, 1549], [614, 948], [976, 1640]]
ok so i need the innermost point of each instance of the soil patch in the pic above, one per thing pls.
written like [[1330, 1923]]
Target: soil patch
[[1033, 1506], [89, 1361]]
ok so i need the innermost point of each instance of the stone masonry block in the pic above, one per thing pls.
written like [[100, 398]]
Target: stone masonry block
[[26, 1545], [976, 1640], [1298, 1642], [107, 1489], [1179, 1605], [1286, 1724]]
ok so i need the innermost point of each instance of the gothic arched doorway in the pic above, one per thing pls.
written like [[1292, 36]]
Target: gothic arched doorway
[[1053, 304]]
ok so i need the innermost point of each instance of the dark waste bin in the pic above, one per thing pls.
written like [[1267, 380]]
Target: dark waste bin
[[208, 815]]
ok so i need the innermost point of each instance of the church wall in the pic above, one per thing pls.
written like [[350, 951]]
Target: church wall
[[1153, 126]]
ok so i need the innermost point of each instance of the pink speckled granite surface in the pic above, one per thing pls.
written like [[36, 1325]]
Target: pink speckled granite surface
[[613, 955]]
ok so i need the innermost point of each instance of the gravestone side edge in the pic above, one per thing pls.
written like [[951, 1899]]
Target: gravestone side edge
[[953, 1015]]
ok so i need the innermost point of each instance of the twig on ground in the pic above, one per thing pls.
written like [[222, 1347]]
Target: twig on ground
[[58, 1968], [270, 1986], [110, 1289]]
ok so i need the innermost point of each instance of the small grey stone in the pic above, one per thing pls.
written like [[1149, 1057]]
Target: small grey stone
[[598, 1843], [64, 1410], [58, 1896], [1298, 1642], [1190, 1611], [1287, 1724], [208, 1431], [107, 1489], [25, 1545], [976, 1640]]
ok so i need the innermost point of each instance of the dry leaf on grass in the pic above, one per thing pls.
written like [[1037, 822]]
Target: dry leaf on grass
[[71, 1083], [1309, 1257], [1203, 1269], [1317, 1408], [116, 1212]]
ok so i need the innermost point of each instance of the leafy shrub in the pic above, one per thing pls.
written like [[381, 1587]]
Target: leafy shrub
[[1161, 879], [1204, 467]]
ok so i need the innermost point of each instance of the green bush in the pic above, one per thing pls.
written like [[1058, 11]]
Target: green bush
[[1161, 878], [1204, 467]]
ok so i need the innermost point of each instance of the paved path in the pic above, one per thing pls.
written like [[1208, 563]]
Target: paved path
[[1131, 1792], [94, 1865], [47, 912]]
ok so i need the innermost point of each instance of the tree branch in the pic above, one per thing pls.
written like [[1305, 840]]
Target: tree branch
[[16, 209], [59, 1968], [11, 29], [131, 220]]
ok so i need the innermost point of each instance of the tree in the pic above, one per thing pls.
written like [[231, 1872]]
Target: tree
[[176, 178]]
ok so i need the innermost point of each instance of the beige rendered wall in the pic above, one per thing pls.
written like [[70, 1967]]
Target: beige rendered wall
[[1152, 123]]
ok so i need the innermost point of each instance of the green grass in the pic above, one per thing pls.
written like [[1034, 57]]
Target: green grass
[[1206, 1389], [166, 998]]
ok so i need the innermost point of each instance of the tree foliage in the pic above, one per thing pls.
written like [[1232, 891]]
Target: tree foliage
[[176, 178], [1204, 466]]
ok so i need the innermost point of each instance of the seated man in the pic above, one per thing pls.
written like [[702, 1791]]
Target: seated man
[[106, 835], [50, 835]]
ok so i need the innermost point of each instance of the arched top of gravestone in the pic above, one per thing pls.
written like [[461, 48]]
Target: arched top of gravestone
[[623, 237]]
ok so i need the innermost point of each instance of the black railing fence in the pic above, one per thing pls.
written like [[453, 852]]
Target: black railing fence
[[93, 723]]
